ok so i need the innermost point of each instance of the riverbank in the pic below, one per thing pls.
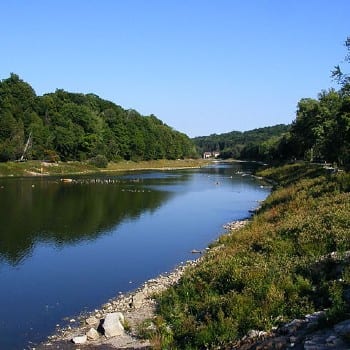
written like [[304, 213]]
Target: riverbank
[[138, 309], [291, 260], [39, 168], [255, 285]]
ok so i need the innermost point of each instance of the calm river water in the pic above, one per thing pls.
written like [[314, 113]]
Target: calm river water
[[69, 247]]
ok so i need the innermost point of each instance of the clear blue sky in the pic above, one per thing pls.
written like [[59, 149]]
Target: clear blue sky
[[200, 66]]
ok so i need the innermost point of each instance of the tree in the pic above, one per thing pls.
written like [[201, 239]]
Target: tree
[[75, 126], [338, 73], [11, 137]]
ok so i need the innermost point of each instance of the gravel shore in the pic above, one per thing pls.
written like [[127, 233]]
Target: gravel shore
[[136, 307]]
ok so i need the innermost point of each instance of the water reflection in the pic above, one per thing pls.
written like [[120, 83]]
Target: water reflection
[[70, 246], [49, 210]]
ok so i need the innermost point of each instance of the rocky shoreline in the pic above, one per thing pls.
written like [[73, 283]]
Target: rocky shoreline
[[299, 334], [135, 308], [117, 324]]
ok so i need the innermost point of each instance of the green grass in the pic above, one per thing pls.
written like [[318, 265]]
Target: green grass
[[38, 168], [156, 164], [272, 270]]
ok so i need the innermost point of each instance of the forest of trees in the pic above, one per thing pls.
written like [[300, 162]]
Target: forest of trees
[[74, 126], [254, 144], [320, 132]]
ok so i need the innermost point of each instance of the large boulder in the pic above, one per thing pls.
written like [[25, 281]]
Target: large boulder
[[137, 300], [92, 334], [81, 339], [113, 324]]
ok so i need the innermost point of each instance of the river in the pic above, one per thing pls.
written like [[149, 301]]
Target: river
[[69, 247]]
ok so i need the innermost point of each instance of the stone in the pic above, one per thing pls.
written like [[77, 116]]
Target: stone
[[343, 328], [92, 334], [293, 339], [81, 339], [112, 324], [263, 334], [91, 321], [253, 333], [137, 300], [331, 339]]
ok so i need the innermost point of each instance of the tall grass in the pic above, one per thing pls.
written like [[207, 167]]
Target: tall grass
[[272, 270]]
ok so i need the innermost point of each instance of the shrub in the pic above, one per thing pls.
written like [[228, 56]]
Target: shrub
[[99, 161]]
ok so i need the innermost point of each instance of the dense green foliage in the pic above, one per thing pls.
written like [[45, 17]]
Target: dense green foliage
[[321, 131], [276, 268], [257, 144], [74, 126]]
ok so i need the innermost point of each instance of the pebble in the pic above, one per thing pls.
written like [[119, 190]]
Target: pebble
[[91, 320], [297, 334], [235, 225], [125, 303]]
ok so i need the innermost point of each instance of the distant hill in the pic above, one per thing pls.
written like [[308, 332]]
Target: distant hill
[[252, 144], [75, 126]]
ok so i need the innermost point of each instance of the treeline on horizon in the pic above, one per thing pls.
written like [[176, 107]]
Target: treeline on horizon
[[320, 132], [254, 144], [74, 126]]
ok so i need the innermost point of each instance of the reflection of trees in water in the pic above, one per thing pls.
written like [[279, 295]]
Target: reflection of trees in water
[[65, 213]]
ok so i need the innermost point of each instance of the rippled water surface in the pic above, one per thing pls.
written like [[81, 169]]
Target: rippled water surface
[[69, 247]]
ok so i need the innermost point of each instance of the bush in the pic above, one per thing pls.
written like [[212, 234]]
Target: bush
[[99, 161]]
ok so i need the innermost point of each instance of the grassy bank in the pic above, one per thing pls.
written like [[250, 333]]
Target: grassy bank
[[288, 261], [38, 168]]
